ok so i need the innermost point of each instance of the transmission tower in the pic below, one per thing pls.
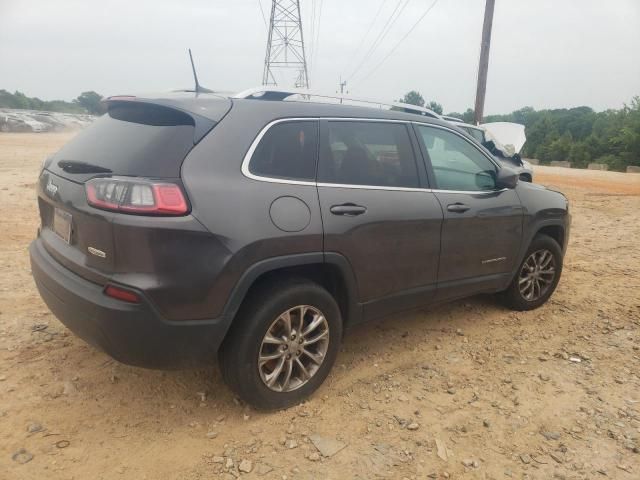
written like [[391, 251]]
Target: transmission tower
[[285, 45]]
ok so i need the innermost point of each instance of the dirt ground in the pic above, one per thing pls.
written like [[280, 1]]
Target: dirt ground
[[468, 390]]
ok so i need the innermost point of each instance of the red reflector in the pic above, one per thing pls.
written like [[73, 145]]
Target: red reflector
[[121, 294]]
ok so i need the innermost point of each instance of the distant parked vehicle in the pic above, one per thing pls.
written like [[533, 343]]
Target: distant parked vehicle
[[21, 123], [16, 120], [73, 122], [31, 124], [48, 119], [5, 125], [504, 140]]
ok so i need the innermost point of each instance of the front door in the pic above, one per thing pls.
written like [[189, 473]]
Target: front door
[[482, 227], [377, 214]]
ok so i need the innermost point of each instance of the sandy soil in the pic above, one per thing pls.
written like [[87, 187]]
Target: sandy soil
[[487, 393]]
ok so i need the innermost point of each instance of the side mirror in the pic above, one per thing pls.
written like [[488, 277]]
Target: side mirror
[[506, 178]]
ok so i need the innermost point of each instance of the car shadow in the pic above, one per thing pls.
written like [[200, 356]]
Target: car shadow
[[202, 393]]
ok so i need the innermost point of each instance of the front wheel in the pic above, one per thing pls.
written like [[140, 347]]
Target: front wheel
[[283, 344], [537, 275]]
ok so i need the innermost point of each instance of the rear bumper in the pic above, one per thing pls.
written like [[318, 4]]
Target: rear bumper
[[135, 334]]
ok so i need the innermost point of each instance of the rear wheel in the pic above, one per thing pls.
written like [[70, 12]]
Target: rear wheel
[[282, 345], [537, 276]]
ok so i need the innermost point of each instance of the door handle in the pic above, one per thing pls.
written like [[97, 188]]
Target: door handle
[[458, 207], [348, 209]]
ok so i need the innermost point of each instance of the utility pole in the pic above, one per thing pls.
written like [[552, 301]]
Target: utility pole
[[484, 61], [285, 44], [342, 85]]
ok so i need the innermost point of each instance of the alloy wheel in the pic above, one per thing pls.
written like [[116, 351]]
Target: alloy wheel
[[537, 274], [293, 348]]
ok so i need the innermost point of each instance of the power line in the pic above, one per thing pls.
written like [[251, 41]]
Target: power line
[[316, 43], [264, 19], [383, 33], [355, 52], [395, 47], [375, 41], [312, 36]]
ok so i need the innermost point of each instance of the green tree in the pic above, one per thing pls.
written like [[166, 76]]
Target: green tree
[[469, 115], [466, 117], [577, 134], [413, 98], [559, 149], [614, 162], [435, 106], [91, 102], [579, 155], [21, 100]]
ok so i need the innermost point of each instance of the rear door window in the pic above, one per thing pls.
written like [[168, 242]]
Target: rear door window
[[368, 153], [287, 150]]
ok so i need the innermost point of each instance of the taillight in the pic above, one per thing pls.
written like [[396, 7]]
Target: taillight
[[141, 196]]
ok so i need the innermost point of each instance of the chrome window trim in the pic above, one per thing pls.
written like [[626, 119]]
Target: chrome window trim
[[373, 187], [409, 189], [256, 142], [470, 192], [263, 131]]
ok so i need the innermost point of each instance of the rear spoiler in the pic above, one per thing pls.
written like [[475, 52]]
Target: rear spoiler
[[177, 108]]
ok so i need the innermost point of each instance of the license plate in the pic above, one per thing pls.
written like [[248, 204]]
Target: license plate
[[62, 224]]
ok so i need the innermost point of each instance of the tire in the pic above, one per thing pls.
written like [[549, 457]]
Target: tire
[[514, 297], [265, 310]]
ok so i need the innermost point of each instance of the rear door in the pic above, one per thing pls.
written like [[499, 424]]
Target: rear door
[[377, 213], [482, 227]]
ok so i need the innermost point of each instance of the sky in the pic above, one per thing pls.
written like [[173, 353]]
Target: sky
[[544, 53]]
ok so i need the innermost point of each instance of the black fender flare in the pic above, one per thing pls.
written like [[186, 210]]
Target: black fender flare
[[251, 274], [532, 231]]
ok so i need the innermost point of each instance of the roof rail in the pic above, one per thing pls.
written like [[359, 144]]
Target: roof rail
[[266, 93], [449, 118]]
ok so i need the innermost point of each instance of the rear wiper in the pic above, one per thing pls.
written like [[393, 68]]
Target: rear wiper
[[72, 166]]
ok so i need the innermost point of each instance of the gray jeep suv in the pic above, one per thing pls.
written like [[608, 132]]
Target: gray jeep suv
[[185, 226]]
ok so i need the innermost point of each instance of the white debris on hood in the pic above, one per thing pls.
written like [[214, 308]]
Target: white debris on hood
[[509, 136]]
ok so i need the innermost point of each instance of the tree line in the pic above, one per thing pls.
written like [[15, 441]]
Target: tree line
[[86, 102], [579, 135]]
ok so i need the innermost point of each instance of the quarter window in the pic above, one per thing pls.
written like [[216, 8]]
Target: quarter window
[[368, 153], [287, 150], [457, 164], [477, 134]]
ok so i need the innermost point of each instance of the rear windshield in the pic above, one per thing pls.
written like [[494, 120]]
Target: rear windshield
[[132, 139]]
